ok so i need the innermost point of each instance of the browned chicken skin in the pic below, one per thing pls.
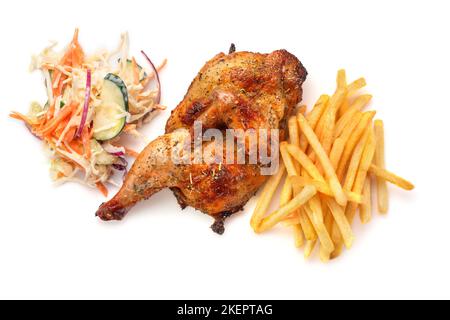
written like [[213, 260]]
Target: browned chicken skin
[[241, 90]]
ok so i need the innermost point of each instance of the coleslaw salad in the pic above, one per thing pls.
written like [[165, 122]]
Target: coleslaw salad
[[92, 100]]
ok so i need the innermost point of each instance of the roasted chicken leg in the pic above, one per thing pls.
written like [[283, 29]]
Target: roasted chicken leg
[[241, 90]]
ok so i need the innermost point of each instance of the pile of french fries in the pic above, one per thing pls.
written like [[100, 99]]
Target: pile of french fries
[[333, 154]]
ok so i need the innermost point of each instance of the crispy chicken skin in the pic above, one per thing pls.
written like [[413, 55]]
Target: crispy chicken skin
[[241, 90]]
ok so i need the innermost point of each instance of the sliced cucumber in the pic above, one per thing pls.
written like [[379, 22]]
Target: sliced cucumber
[[129, 71], [61, 105], [108, 119]]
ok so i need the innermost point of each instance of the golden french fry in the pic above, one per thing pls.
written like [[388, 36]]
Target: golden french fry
[[298, 235], [356, 85], [320, 228], [316, 206], [324, 188], [335, 233], [324, 160], [390, 177], [319, 108], [366, 160], [355, 160], [341, 221], [313, 117], [328, 220], [341, 79], [290, 167], [327, 136], [294, 136], [365, 209], [271, 220], [309, 248], [286, 192], [336, 152], [324, 255], [337, 239], [293, 131], [357, 105], [382, 190], [266, 196], [337, 251], [352, 141]]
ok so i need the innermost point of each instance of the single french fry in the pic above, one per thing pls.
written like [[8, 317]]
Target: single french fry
[[328, 220], [294, 136], [309, 248], [390, 177], [357, 105], [336, 237], [382, 190], [324, 160], [266, 196], [313, 118], [319, 108], [335, 233], [341, 79], [341, 83], [341, 221], [293, 131], [356, 85], [290, 167], [324, 255], [324, 188], [316, 206], [286, 192], [352, 141], [366, 160], [271, 220], [336, 152], [355, 160], [365, 209], [298, 235], [320, 228], [337, 251]]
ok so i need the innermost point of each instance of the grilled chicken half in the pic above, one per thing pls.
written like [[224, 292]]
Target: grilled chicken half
[[240, 90]]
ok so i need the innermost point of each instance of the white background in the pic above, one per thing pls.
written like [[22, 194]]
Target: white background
[[52, 246]]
